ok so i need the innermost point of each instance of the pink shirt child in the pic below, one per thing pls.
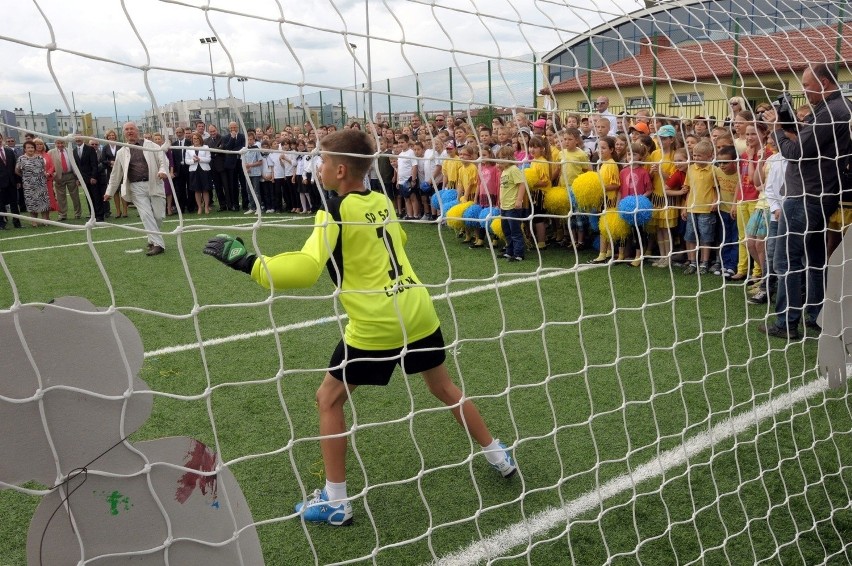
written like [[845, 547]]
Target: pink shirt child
[[635, 181], [489, 185]]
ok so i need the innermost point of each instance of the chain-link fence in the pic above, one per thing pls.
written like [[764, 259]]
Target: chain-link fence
[[482, 90]]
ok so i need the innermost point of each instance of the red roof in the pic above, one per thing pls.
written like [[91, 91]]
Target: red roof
[[782, 52]]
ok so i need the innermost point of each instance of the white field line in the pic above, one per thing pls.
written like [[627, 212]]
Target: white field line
[[81, 228], [502, 541], [309, 323]]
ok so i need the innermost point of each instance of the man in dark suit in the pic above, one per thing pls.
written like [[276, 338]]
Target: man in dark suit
[[217, 167], [8, 185], [86, 159], [234, 141], [12, 144], [181, 180]]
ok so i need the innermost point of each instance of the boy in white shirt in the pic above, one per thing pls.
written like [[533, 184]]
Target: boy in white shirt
[[430, 177], [406, 179]]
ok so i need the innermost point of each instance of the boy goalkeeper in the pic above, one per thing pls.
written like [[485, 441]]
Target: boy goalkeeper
[[391, 317]]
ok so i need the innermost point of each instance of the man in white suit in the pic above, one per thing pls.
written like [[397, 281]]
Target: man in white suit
[[140, 176]]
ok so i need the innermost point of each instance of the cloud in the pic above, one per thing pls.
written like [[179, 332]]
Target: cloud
[[170, 35]]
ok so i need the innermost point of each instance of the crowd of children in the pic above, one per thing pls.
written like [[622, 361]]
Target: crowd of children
[[715, 189]]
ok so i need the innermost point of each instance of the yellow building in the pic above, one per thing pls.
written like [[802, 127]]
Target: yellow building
[[688, 57]]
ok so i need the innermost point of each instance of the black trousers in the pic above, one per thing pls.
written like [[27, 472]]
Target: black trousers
[[96, 194], [233, 189], [180, 186], [9, 197], [220, 180]]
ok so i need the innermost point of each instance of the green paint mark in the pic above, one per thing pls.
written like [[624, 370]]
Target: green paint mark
[[118, 502]]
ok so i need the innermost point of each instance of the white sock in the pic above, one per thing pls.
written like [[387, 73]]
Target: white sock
[[494, 453], [335, 491]]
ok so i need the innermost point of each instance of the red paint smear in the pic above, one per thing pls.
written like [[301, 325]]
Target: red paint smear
[[200, 458]]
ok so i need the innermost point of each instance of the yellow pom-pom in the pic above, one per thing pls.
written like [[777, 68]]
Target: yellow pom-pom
[[531, 176], [556, 201], [588, 191], [613, 227], [497, 228], [454, 215]]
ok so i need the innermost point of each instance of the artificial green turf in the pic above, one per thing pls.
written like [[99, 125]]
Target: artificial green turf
[[591, 372]]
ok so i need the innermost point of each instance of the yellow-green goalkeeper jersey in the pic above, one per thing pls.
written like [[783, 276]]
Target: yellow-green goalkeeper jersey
[[361, 242]]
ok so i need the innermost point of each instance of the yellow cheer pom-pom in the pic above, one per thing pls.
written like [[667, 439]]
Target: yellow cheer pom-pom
[[613, 226], [454, 215], [497, 229], [531, 176], [556, 201], [588, 191]]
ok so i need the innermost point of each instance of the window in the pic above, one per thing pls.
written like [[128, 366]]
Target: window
[[688, 99], [638, 102], [583, 106]]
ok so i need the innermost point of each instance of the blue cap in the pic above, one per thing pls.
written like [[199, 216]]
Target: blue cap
[[667, 132]]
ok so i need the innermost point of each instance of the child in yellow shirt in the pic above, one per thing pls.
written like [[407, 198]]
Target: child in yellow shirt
[[702, 203], [611, 182]]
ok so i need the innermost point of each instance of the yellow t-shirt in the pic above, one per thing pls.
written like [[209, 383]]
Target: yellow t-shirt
[[468, 180], [702, 189], [573, 164], [667, 167], [727, 189], [511, 182], [362, 244], [610, 175], [540, 174], [553, 160], [450, 168]]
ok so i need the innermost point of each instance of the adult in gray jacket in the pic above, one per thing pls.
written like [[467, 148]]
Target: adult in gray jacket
[[811, 195]]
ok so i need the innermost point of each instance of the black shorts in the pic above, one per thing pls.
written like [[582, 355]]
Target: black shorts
[[375, 367]]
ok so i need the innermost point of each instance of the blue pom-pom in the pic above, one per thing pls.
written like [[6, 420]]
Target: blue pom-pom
[[596, 243], [444, 199], [487, 215], [594, 222], [635, 209], [493, 211], [471, 216], [424, 186]]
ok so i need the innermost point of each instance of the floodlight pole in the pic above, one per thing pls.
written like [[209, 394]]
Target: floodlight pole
[[355, 77], [209, 41], [369, 67]]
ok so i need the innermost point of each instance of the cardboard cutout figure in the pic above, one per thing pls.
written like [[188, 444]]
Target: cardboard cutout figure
[[69, 396], [835, 318]]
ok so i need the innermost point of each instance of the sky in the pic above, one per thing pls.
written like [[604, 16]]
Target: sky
[[104, 46]]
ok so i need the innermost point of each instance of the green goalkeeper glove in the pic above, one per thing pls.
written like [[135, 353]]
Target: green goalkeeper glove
[[231, 251]]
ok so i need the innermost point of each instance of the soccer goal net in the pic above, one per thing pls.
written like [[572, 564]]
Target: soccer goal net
[[639, 323]]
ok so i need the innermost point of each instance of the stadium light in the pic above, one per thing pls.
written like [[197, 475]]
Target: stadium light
[[354, 79], [209, 41]]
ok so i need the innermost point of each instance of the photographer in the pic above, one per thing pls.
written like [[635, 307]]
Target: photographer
[[811, 195]]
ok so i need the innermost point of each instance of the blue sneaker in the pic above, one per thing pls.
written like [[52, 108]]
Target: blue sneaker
[[318, 510], [506, 466]]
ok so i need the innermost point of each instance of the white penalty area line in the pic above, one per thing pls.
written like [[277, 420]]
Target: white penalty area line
[[81, 229], [522, 533], [324, 320]]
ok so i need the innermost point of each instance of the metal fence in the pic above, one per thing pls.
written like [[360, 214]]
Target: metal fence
[[499, 85]]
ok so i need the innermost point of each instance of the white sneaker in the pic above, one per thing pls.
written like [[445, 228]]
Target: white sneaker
[[249, 211], [506, 466]]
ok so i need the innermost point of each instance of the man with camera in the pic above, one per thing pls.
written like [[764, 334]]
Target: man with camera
[[814, 152]]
